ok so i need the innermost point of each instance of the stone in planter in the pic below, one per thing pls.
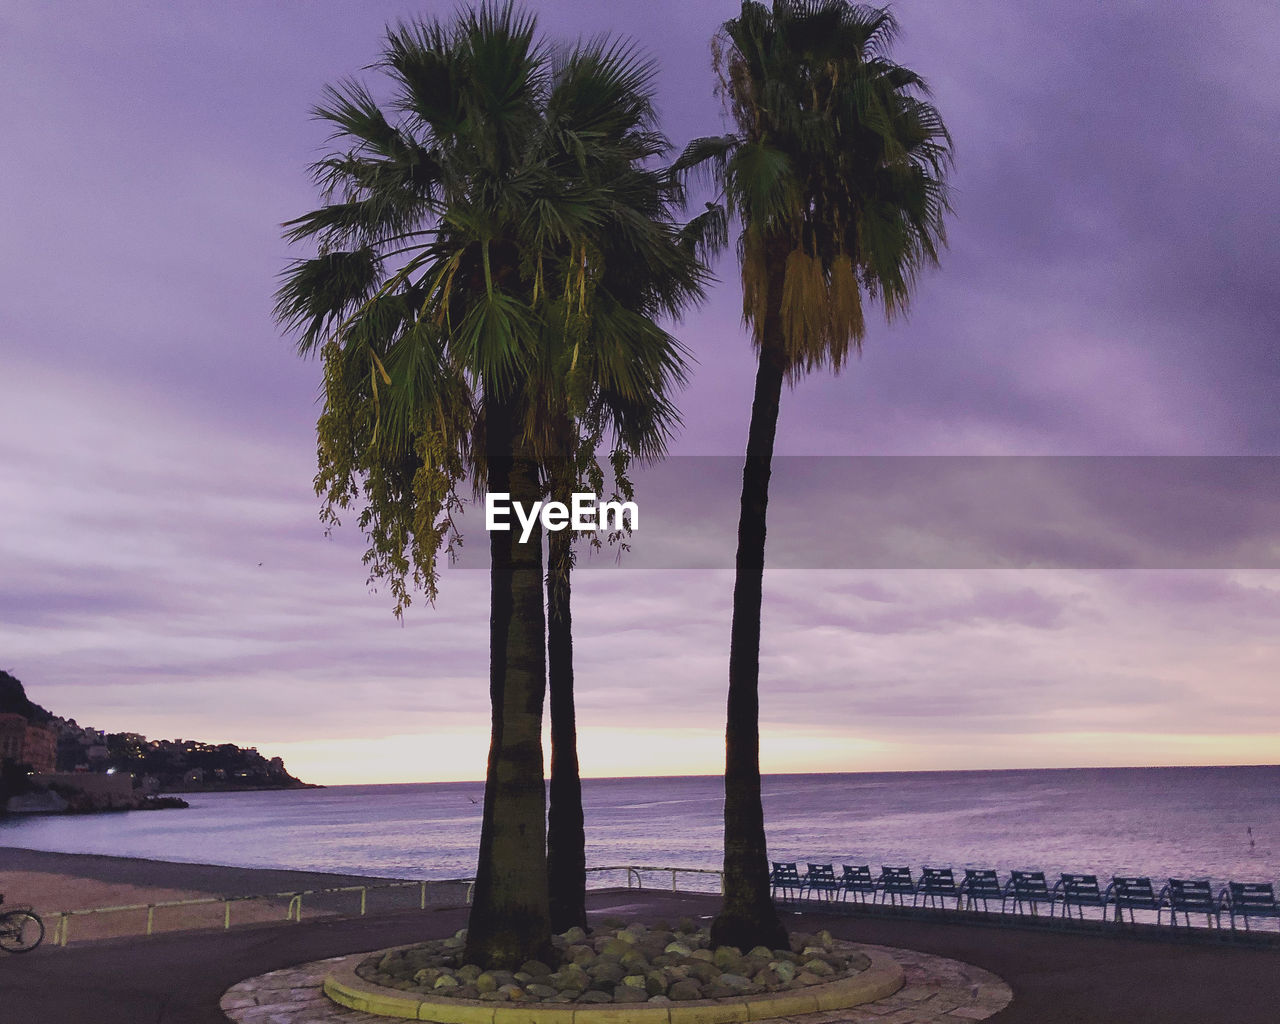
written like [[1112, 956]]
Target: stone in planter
[[613, 946], [767, 979], [634, 961], [609, 972], [535, 968], [571, 977]]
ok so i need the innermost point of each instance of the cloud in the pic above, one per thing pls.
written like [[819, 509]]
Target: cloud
[[1110, 289]]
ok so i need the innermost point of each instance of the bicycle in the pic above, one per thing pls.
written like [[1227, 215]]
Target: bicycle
[[21, 929]]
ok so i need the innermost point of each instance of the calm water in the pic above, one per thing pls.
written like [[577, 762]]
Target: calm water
[[1148, 821]]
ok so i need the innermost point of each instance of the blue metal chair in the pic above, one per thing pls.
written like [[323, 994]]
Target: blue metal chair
[[857, 880], [1188, 896], [1130, 892], [1081, 891], [897, 884], [981, 884], [938, 884], [1249, 899], [785, 879], [821, 879], [1030, 888]]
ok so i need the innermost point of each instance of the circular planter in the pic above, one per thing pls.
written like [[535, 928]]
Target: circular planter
[[883, 978]]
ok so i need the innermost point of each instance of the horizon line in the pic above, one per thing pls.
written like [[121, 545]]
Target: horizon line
[[783, 775]]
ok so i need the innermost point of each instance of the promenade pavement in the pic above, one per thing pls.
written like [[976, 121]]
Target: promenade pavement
[[1057, 978]]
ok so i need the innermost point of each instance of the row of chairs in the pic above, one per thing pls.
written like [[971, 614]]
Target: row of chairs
[[1029, 891]]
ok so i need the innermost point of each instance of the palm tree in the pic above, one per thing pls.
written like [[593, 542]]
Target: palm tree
[[835, 170], [617, 370], [465, 299]]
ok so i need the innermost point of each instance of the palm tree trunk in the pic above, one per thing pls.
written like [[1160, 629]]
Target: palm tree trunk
[[510, 918], [566, 837], [747, 917]]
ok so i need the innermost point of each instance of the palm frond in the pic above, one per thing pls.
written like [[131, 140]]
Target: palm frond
[[836, 171], [318, 294], [498, 236]]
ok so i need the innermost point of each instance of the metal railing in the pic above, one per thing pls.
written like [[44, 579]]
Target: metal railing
[[293, 909], [635, 875]]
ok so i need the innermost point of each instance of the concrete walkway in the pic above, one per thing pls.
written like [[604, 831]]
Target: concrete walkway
[[937, 991], [1057, 978]]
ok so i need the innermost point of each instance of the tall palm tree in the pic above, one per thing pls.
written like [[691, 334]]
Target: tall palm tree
[[836, 172], [465, 297], [642, 437], [616, 375]]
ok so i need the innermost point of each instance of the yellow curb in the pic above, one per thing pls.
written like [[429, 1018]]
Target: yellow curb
[[555, 1013], [883, 978], [369, 1001], [707, 1011], [784, 1004]]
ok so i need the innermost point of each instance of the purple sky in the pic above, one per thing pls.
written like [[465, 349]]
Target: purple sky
[[1112, 288]]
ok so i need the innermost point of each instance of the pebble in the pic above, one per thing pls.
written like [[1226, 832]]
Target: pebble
[[630, 964]]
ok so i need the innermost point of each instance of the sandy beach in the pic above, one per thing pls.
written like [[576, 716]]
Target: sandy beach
[[56, 883]]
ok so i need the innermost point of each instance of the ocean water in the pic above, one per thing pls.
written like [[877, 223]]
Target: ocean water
[[1223, 823]]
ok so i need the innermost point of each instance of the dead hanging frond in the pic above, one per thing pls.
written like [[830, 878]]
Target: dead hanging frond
[[844, 305], [820, 311], [835, 169], [755, 281], [801, 308]]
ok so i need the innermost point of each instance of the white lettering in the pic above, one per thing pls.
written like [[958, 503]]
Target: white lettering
[[526, 522], [583, 509], [617, 509], [554, 516], [584, 514], [492, 509]]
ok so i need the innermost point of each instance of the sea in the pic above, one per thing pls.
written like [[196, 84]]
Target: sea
[[1220, 823]]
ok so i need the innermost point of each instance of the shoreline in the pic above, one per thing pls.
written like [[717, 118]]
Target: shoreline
[[80, 881], [214, 879]]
